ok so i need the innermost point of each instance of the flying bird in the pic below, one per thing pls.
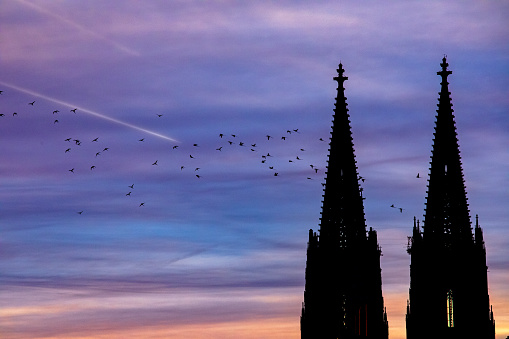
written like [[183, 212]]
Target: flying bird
[[175, 147], [142, 204], [13, 114], [190, 156], [73, 110], [400, 210], [95, 139], [197, 168], [275, 174], [68, 139], [1, 92], [198, 176], [56, 111], [268, 137], [1, 114], [159, 115], [296, 130], [221, 135], [218, 149], [195, 145], [155, 163], [321, 139], [80, 212], [418, 177], [143, 139], [54, 122], [71, 170], [283, 138], [67, 150], [32, 103], [92, 167], [181, 168], [106, 148], [98, 153], [128, 194], [132, 186]]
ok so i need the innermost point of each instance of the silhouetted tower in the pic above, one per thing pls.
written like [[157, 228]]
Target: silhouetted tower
[[343, 293], [448, 273]]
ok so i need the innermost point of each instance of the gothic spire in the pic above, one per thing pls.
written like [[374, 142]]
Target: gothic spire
[[446, 215], [343, 212]]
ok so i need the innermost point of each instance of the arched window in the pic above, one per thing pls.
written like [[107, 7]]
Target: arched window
[[450, 309]]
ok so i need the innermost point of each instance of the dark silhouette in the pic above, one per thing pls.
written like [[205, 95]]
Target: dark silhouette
[[448, 273], [74, 110], [343, 293]]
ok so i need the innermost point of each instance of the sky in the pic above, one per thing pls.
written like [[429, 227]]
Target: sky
[[147, 223]]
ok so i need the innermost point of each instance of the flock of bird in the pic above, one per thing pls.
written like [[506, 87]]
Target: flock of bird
[[225, 142]]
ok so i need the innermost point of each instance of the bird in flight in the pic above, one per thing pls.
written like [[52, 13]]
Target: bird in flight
[[418, 176], [218, 149], [73, 110], [221, 135], [197, 168], [175, 147], [143, 139], [56, 111], [98, 153], [131, 186], [155, 163], [54, 122], [283, 138], [1, 114], [275, 174], [181, 168], [32, 103], [13, 114], [159, 115], [142, 204], [80, 212], [67, 150], [95, 139], [68, 139], [268, 137], [321, 139], [191, 156], [128, 194], [400, 210], [71, 170], [195, 145], [1, 92], [198, 176], [106, 148], [92, 167]]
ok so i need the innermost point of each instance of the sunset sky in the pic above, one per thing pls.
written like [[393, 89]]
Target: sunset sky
[[160, 228]]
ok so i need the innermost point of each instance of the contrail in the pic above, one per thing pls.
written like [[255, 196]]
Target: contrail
[[84, 110], [79, 27]]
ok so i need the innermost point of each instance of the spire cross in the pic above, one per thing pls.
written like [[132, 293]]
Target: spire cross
[[340, 78], [444, 72]]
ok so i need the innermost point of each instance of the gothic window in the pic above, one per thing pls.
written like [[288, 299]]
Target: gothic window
[[450, 309]]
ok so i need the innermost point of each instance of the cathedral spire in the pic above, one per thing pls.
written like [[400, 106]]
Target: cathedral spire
[[343, 212], [448, 273], [446, 216], [343, 292]]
